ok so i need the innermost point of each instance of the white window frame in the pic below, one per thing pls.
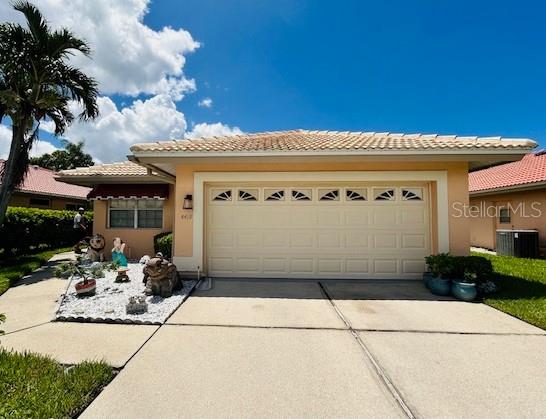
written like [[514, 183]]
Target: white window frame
[[135, 214]]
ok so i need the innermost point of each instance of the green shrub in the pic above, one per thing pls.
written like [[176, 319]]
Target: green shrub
[[479, 265], [163, 243], [26, 228]]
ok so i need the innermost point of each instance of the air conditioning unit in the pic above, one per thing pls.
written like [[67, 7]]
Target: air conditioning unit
[[518, 243]]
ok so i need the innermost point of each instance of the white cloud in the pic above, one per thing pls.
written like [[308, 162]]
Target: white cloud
[[109, 137], [205, 102], [40, 147], [205, 130], [129, 57]]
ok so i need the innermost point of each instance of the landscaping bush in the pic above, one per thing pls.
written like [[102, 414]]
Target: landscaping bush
[[163, 243], [26, 228], [477, 264]]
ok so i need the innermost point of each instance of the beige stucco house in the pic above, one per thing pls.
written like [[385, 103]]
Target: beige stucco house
[[295, 204], [511, 196]]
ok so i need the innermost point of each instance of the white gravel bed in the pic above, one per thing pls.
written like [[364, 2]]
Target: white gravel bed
[[108, 303]]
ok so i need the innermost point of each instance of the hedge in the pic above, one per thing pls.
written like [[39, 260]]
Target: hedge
[[163, 243], [26, 228], [478, 264]]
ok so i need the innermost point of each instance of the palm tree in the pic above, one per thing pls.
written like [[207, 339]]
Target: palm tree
[[37, 83]]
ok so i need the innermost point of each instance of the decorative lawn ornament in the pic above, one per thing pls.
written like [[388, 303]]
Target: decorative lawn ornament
[[161, 277], [137, 305], [122, 274], [95, 251]]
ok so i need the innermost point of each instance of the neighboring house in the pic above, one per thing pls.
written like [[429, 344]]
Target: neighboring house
[[521, 184], [296, 204], [40, 189]]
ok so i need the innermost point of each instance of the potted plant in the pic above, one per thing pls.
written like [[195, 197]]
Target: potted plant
[[441, 266], [465, 288], [86, 286], [431, 268]]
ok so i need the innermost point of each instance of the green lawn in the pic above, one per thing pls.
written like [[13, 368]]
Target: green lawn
[[522, 288], [34, 386], [15, 268]]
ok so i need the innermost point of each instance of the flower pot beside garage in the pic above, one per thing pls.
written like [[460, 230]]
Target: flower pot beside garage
[[464, 291], [427, 276], [439, 285]]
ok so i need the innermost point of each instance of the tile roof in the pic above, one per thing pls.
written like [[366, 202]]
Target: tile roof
[[324, 141], [42, 181], [531, 169], [126, 168]]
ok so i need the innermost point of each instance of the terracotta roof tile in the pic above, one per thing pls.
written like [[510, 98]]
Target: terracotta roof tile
[[42, 181], [531, 169], [124, 169], [302, 141]]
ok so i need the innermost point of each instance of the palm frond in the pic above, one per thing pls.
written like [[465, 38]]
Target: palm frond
[[62, 42], [36, 22]]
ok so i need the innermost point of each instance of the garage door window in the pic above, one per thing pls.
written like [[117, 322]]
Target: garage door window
[[221, 195], [248, 194], [414, 194], [384, 194], [301, 194], [274, 194], [329, 194], [356, 194]]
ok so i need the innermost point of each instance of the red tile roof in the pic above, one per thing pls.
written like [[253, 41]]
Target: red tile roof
[[42, 181], [531, 169]]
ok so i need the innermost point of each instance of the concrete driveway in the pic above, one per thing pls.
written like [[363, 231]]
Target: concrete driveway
[[331, 349]]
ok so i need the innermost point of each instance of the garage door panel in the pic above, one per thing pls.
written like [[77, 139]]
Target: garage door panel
[[329, 217], [330, 240], [413, 241], [357, 216], [248, 265], [385, 266], [275, 239], [356, 266], [275, 266], [302, 265], [330, 266], [302, 239], [385, 241], [334, 238], [303, 216], [415, 266], [358, 239]]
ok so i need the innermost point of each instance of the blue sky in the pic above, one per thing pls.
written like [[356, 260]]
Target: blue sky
[[448, 67], [461, 67]]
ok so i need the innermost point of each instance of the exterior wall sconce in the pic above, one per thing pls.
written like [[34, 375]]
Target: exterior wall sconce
[[188, 202]]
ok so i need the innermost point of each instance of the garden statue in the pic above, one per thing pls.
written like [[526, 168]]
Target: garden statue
[[95, 251], [161, 277], [137, 305], [118, 255]]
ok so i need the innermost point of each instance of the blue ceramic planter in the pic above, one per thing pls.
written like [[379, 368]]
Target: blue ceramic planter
[[464, 291], [439, 286], [426, 278]]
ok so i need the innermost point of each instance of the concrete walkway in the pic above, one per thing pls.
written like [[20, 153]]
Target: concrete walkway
[[30, 306], [298, 349], [332, 349]]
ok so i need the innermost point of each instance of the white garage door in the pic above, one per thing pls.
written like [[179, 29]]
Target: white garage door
[[345, 231]]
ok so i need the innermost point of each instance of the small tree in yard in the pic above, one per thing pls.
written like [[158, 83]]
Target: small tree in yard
[[71, 157], [38, 83]]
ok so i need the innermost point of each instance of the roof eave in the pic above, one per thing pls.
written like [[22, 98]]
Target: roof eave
[[511, 188], [389, 152]]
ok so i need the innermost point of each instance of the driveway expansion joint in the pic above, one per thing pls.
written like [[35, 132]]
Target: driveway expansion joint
[[377, 367], [447, 332], [243, 326]]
